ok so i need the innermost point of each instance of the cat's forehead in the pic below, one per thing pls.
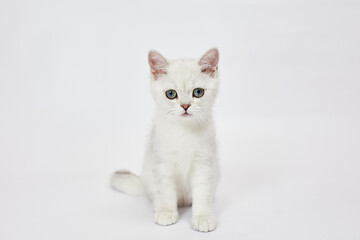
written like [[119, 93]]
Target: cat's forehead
[[183, 67], [183, 72]]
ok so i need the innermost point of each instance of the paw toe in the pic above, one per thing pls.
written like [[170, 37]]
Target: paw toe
[[165, 218], [203, 223]]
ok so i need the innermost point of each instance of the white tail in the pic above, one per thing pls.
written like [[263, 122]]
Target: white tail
[[127, 182]]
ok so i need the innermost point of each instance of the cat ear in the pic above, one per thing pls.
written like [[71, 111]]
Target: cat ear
[[157, 63], [209, 61]]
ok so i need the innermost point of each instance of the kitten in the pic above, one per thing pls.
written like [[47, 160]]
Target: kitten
[[180, 166]]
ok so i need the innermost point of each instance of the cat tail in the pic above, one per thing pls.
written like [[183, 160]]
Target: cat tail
[[127, 182]]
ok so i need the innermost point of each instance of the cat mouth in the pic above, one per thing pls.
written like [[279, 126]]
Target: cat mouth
[[185, 114]]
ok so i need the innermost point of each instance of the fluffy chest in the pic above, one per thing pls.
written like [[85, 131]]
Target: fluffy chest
[[179, 148], [180, 143]]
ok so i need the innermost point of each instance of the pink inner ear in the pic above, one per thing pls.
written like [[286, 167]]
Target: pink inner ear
[[157, 63], [209, 61]]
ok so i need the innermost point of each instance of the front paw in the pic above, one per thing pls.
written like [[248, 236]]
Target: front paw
[[165, 218], [203, 223]]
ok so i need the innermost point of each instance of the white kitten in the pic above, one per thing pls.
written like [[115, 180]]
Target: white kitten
[[180, 166]]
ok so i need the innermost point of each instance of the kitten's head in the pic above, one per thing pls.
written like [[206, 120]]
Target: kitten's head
[[184, 89]]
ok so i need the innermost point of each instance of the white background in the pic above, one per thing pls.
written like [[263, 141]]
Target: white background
[[75, 106]]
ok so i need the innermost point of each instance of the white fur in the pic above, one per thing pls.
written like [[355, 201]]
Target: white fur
[[180, 166], [127, 183]]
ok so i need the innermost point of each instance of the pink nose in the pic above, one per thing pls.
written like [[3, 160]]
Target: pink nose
[[185, 106]]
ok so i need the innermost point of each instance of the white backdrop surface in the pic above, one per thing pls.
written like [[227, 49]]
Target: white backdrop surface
[[75, 106]]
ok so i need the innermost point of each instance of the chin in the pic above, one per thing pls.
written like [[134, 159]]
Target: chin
[[193, 120]]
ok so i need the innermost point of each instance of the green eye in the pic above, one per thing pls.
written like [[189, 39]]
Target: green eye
[[198, 92], [171, 94]]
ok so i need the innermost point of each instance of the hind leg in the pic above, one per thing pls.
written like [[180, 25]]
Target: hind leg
[[184, 199]]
